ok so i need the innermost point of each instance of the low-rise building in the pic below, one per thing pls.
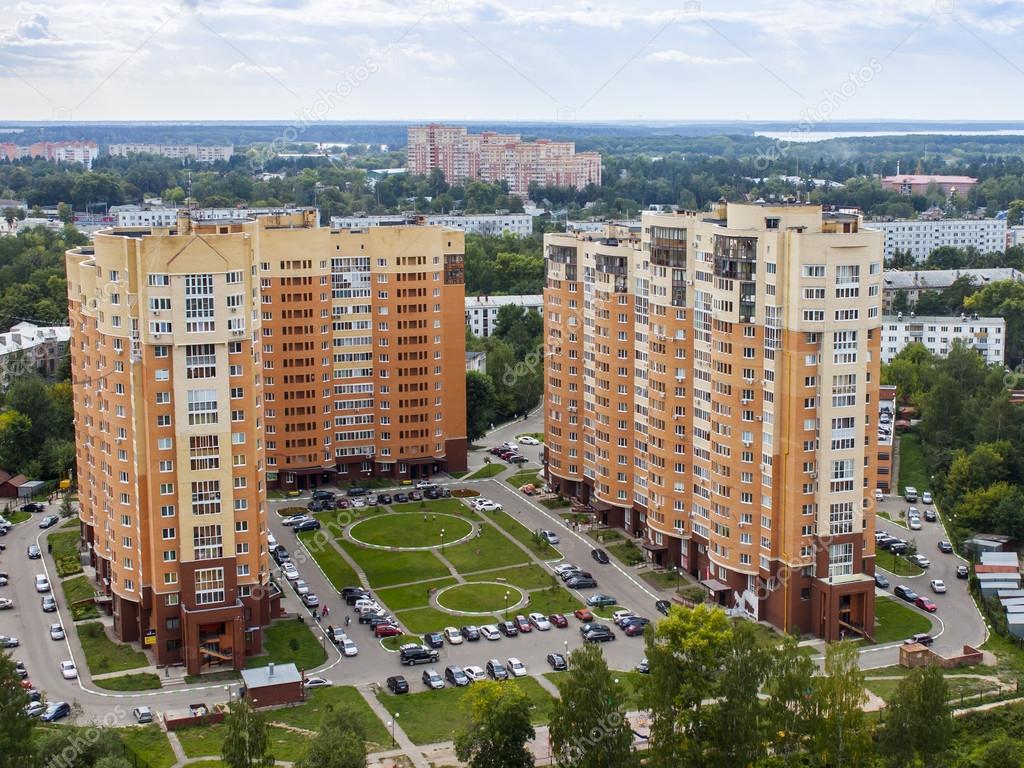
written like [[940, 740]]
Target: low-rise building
[[912, 283], [919, 237], [482, 311], [197, 152], [920, 183], [137, 216], [83, 152], [985, 334], [476, 362], [519, 224], [29, 347]]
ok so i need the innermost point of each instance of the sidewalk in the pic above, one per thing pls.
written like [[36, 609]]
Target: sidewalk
[[403, 742]]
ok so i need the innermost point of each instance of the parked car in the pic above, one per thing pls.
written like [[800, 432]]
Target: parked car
[[923, 638], [910, 494], [433, 639], [662, 606], [558, 620], [508, 628], [601, 600], [600, 555], [549, 536], [355, 491], [925, 604], [560, 569], [418, 655], [880, 581], [496, 670], [34, 709], [643, 666], [42, 583], [920, 560], [528, 440], [316, 506], [312, 683], [384, 498], [517, 458], [540, 622], [929, 515], [926, 497], [962, 571], [320, 494], [620, 615], [634, 629], [21, 669], [432, 680], [523, 624], [914, 523], [33, 506], [397, 684], [490, 632], [6, 603], [583, 614], [945, 547], [401, 498], [348, 647], [307, 525], [9, 641], [33, 552], [56, 710], [48, 604], [290, 571], [905, 593], [475, 673], [386, 630], [581, 582], [938, 586], [68, 670], [488, 506], [575, 573], [56, 632], [294, 520], [557, 662], [597, 633], [456, 676], [280, 555], [879, 496], [310, 600], [301, 587], [471, 632], [453, 636], [415, 496]]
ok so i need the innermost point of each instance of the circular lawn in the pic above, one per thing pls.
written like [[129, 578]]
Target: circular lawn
[[479, 597], [410, 529]]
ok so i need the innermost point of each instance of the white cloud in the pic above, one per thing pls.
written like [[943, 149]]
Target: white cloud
[[682, 57]]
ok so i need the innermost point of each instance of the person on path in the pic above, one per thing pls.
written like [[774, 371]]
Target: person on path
[[348, 620]]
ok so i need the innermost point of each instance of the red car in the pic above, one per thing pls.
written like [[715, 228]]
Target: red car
[[558, 620], [583, 614], [523, 624], [386, 630], [925, 604], [26, 684], [633, 630]]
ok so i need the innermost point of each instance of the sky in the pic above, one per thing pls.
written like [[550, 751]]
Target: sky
[[804, 62]]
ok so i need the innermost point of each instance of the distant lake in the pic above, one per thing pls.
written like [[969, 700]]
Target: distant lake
[[809, 136]]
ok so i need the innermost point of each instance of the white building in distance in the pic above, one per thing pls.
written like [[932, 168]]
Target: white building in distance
[[920, 237], [519, 224], [915, 282], [197, 152], [985, 334], [136, 216], [28, 347], [482, 311]]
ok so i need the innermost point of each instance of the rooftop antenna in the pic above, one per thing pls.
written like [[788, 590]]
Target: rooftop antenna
[[897, 167]]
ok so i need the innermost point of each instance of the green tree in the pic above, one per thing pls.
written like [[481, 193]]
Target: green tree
[[588, 725], [1004, 299], [246, 741], [686, 653], [839, 735], [919, 722], [480, 404], [498, 730], [65, 213], [339, 743], [15, 435], [16, 747], [790, 710]]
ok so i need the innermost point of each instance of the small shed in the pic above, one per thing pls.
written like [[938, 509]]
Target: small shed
[[30, 488], [1000, 558], [1015, 623], [272, 685], [1010, 593], [1013, 609], [990, 586], [10, 485]]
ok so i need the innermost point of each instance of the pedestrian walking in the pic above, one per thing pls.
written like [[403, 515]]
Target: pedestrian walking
[[316, 616], [330, 631], [326, 611], [348, 620]]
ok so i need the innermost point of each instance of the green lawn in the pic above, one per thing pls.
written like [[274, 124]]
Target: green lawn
[[626, 552], [895, 520], [150, 743], [446, 506], [894, 621], [524, 536], [896, 564], [206, 740], [334, 566], [214, 677], [604, 535], [558, 502], [631, 682], [395, 642], [18, 516], [519, 479], [525, 576], [966, 687], [414, 596], [104, 655], [288, 640], [488, 550], [486, 471], [432, 716], [385, 568], [478, 598], [556, 600], [430, 620], [412, 529], [77, 589], [141, 681], [913, 469], [309, 714], [64, 550]]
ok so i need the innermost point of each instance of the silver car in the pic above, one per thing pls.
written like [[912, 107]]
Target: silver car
[[56, 632]]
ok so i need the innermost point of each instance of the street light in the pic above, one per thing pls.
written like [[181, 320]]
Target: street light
[[391, 725], [442, 541], [506, 605]]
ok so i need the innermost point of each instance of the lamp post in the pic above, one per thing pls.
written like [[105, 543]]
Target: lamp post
[[506, 605], [442, 541], [565, 646], [391, 725]]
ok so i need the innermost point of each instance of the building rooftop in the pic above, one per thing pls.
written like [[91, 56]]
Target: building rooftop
[[28, 335], [909, 317], [937, 279], [500, 301], [272, 674], [925, 178]]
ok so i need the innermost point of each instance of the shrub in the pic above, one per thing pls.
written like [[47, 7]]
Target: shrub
[[68, 565], [694, 593], [464, 493]]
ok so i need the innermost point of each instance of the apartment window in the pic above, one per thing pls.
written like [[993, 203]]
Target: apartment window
[[167, 510], [199, 309], [200, 361], [813, 270], [159, 279], [172, 599], [840, 518], [208, 542], [164, 444], [205, 497], [844, 390], [162, 374], [163, 398], [170, 555], [166, 466], [202, 406], [841, 476], [243, 569], [160, 350], [167, 534], [847, 281], [204, 452], [840, 560], [209, 586], [166, 489], [844, 347], [163, 420]]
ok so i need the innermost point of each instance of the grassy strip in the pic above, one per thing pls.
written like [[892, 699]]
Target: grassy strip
[[18, 516], [214, 677], [334, 566], [385, 568], [489, 549], [632, 683], [104, 655], [395, 642], [524, 536], [554, 600], [421, 620], [432, 716], [64, 550], [288, 640], [896, 564], [150, 744], [526, 577], [894, 621], [310, 714], [206, 741], [438, 506], [415, 596], [520, 479], [913, 467], [141, 681], [486, 471], [627, 552], [77, 589]]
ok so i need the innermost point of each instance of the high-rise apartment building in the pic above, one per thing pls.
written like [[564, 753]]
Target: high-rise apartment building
[[711, 387], [213, 360], [496, 157]]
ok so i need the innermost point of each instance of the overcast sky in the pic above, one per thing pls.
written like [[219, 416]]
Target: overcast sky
[[788, 60]]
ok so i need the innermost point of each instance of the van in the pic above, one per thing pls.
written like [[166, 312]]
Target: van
[[910, 494], [271, 543]]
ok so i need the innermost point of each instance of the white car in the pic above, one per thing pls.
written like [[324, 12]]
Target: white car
[[67, 670], [301, 587], [938, 586], [489, 506], [540, 621], [515, 667], [620, 615], [358, 502], [914, 523], [560, 569], [528, 440], [879, 496], [6, 603], [453, 636], [475, 673], [316, 682], [490, 632], [290, 571], [348, 647], [56, 632], [42, 583], [294, 520], [926, 497]]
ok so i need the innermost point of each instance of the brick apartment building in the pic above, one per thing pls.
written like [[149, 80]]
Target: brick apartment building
[[711, 387], [215, 360]]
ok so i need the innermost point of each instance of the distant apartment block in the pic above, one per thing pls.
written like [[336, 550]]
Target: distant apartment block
[[912, 283], [83, 152], [495, 157], [28, 347], [476, 362], [1015, 236], [987, 335], [135, 216], [711, 387], [919, 237], [919, 184], [482, 311], [197, 152], [519, 224]]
